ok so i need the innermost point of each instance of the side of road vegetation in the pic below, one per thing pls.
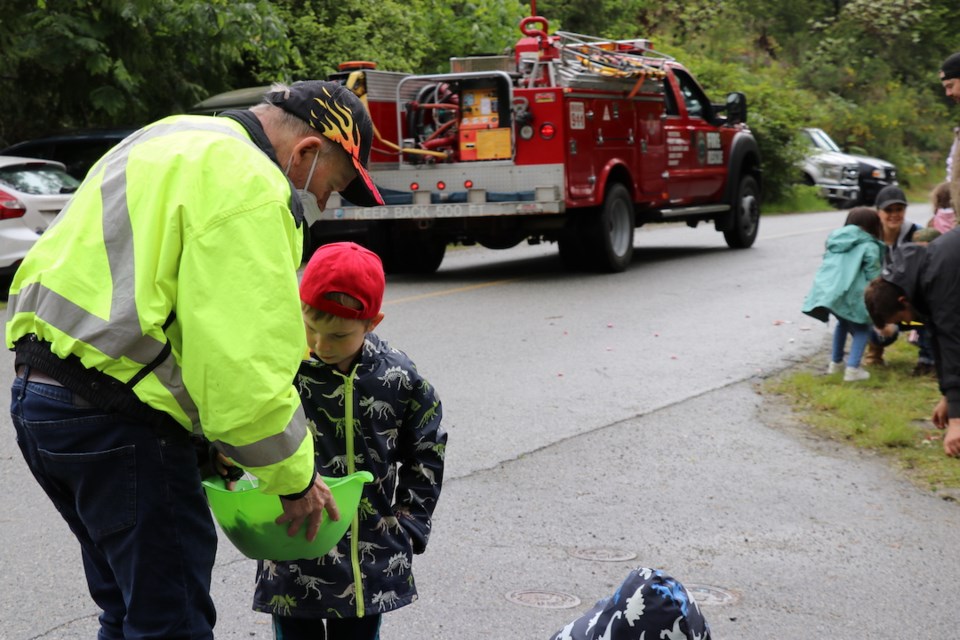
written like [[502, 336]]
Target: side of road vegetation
[[889, 414]]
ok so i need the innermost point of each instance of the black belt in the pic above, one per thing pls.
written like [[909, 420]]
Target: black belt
[[96, 387]]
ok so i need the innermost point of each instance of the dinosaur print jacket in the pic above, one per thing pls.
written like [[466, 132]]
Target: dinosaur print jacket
[[392, 416]]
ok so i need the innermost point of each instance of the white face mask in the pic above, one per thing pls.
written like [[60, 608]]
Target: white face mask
[[311, 209]]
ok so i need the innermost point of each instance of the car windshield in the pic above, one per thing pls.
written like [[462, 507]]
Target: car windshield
[[820, 139], [38, 179]]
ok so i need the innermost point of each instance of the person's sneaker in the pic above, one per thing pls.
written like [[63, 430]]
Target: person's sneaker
[[833, 367], [853, 374]]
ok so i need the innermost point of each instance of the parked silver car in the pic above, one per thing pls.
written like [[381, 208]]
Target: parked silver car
[[32, 193]]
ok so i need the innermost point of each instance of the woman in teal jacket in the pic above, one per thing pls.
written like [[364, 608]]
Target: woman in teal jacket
[[852, 259]]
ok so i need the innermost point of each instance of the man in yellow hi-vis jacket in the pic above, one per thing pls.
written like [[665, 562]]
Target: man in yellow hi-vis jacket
[[163, 302]]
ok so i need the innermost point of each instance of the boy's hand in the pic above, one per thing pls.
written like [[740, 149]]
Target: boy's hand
[[309, 509]]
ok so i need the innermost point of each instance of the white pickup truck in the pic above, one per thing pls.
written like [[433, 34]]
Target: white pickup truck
[[844, 179]]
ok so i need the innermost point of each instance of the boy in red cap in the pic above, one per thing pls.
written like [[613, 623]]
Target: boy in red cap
[[369, 409]]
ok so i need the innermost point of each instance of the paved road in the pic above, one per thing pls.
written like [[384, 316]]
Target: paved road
[[599, 423]]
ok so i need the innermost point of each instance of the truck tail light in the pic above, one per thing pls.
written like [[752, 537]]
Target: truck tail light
[[547, 131], [441, 185], [468, 184], [10, 207], [414, 186]]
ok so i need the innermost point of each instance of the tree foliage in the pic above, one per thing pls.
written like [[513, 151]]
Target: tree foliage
[[865, 70], [76, 63]]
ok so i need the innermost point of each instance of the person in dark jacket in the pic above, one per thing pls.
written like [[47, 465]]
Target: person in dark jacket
[[369, 409], [922, 283]]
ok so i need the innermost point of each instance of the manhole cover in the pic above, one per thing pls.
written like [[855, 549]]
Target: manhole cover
[[543, 599], [602, 555], [711, 596]]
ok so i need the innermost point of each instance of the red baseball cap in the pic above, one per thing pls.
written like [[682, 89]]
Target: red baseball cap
[[348, 268]]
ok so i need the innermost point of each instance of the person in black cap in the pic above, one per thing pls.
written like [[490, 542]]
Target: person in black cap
[[894, 231], [163, 303], [950, 76], [950, 79], [334, 111]]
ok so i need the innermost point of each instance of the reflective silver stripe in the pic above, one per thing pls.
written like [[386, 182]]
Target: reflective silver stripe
[[121, 336], [66, 316], [272, 450]]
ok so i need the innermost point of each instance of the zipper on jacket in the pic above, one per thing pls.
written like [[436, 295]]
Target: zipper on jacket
[[351, 468]]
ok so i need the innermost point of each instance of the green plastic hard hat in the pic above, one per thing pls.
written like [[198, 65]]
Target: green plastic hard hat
[[246, 515]]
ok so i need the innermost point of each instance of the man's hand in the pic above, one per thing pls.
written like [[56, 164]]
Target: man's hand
[[939, 416], [889, 330], [226, 470], [951, 440], [309, 509]]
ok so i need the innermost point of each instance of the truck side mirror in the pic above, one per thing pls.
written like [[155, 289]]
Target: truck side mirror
[[736, 108]]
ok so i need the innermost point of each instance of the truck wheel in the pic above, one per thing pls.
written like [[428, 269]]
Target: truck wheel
[[746, 215], [378, 241], [404, 250], [416, 252], [570, 243], [608, 237]]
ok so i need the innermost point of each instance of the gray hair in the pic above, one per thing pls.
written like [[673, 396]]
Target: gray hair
[[284, 121]]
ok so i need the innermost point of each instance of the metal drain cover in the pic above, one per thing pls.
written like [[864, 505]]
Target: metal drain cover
[[711, 596], [543, 599], [602, 555]]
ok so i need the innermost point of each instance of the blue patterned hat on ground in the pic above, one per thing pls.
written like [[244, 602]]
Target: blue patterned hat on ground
[[647, 601]]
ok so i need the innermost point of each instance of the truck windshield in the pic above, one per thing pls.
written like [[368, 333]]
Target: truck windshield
[[821, 140]]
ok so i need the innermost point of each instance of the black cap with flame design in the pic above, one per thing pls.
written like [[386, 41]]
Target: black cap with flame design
[[334, 111]]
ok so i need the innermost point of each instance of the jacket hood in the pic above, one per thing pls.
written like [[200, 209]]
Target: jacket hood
[[847, 237], [903, 268]]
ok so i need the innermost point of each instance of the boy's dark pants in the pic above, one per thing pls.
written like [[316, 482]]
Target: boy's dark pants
[[132, 496], [365, 628]]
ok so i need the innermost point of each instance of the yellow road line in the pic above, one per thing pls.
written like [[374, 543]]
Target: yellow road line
[[447, 292], [800, 233], [495, 283]]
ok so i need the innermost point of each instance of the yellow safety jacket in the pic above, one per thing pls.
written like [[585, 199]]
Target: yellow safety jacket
[[174, 271]]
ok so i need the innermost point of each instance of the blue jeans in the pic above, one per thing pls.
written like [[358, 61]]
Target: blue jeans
[[131, 495], [860, 334], [925, 344]]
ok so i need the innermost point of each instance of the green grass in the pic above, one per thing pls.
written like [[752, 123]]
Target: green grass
[[889, 414], [799, 199]]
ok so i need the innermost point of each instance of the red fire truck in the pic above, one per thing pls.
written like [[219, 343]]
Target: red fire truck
[[572, 139]]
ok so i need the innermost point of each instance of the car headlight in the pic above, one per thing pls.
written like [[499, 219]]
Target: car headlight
[[832, 172]]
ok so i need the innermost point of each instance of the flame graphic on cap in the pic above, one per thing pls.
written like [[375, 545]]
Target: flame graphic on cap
[[336, 122]]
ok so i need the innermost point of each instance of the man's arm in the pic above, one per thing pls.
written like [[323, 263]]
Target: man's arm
[[242, 340]]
